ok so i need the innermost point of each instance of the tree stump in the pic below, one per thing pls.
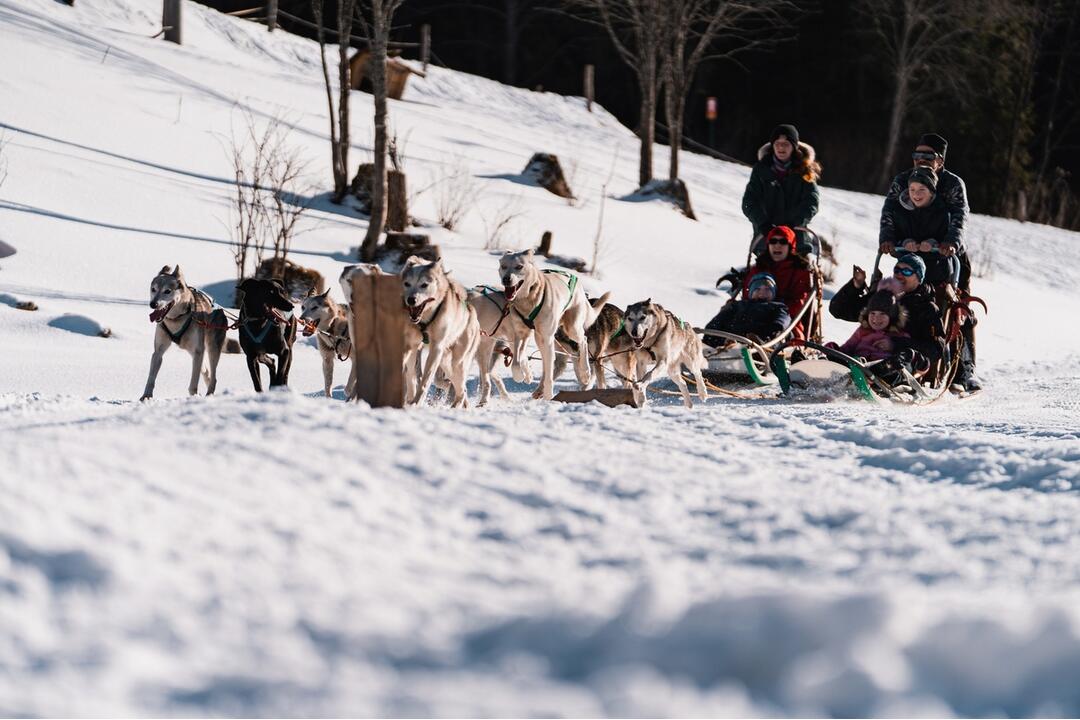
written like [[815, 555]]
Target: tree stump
[[397, 197], [544, 169], [674, 191], [400, 246]]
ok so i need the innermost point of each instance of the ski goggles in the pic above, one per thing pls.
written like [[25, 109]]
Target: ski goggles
[[778, 240], [921, 155], [905, 271]]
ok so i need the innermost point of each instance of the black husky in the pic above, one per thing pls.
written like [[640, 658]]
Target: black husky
[[264, 331]]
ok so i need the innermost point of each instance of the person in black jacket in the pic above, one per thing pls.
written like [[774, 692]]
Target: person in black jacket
[[924, 318], [930, 152], [760, 316], [783, 184], [919, 223]]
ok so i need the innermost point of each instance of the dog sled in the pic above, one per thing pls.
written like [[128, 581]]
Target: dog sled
[[741, 357], [822, 372]]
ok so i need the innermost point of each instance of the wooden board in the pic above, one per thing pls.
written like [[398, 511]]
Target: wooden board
[[608, 396], [378, 329]]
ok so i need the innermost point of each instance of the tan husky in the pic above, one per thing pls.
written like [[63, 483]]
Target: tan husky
[[184, 317], [443, 324], [499, 329], [329, 322], [667, 344], [547, 301]]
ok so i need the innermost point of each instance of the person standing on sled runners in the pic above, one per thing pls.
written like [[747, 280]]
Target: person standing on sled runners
[[783, 184], [930, 153]]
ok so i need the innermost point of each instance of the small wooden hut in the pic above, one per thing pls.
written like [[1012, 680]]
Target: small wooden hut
[[397, 74]]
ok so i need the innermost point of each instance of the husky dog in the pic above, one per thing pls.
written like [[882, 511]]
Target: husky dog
[[320, 314], [547, 301], [501, 331], [264, 331], [184, 316], [610, 343], [667, 341], [444, 322]]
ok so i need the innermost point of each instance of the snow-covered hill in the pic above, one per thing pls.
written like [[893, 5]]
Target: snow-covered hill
[[288, 555]]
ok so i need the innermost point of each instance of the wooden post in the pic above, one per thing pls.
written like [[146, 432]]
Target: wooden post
[[545, 244], [170, 20], [378, 334], [425, 44], [588, 82], [271, 15]]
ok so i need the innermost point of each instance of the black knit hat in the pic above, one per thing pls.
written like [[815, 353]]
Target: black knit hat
[[884, 301], [788, 131], [935, 141], [924, 176]]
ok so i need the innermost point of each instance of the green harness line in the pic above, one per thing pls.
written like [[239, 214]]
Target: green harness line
[[571, 284]]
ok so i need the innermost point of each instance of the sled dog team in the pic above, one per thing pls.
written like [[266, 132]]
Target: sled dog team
[[450, 329]]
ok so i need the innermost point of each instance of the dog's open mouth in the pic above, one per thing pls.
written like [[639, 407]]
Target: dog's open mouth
[[161, 312], [638, 341], [310, 326], [511, 290], [415, 311]]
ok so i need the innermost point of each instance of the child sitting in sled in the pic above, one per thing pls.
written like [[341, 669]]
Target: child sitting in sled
[[880, 334], [760, 317]]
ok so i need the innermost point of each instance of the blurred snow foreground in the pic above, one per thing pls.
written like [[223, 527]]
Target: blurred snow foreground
[[287, 555]]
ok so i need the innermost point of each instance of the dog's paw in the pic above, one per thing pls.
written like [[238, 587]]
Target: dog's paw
[[144, 398]]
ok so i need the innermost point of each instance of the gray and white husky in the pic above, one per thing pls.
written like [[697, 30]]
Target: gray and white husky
[[443, 324], [329, 322], [549, 301], [185, 317], [668, 344]]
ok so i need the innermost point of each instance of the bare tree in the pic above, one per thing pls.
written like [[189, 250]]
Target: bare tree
[[499, 218], [456, 191], [376, 21], [921, 44], [270, 194], [637, 30], [339, 116], [692, 31]]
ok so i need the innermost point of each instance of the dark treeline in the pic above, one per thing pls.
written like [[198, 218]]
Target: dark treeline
[[860, 79]]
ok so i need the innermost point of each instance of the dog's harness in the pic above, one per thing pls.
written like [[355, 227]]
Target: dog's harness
[[268, 323], [422, 327], [177, 336], [571, 284]]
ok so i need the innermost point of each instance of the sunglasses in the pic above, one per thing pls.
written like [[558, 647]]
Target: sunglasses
[[778, 241], [905, 271], [918, 155]]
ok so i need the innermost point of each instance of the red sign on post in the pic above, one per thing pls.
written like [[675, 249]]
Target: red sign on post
[[710, 108]]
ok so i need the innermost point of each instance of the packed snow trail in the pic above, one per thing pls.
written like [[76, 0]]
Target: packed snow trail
[[286, 554]]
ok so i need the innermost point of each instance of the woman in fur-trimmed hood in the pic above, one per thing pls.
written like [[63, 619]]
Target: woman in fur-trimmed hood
[[783, 184]]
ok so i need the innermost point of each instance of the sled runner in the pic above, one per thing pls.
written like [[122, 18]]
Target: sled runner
[[749, 358]]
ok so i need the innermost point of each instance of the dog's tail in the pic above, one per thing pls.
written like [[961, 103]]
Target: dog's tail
[[595, 306]]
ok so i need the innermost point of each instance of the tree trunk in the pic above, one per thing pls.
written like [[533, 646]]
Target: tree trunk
[[341, 151], [317, 11], [896, 122], [510, 42], [646, 125], [171, 20], [377, 71]]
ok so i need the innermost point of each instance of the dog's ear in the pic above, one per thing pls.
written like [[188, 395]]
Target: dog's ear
[[165, 270], [326, 294], [176, 272], [529, 253], [648, 301], [413, 261]]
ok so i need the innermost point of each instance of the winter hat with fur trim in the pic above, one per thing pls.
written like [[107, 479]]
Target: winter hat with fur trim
[[891, 284]]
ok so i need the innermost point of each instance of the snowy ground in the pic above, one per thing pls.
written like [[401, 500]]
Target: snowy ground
[[285, 555]]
